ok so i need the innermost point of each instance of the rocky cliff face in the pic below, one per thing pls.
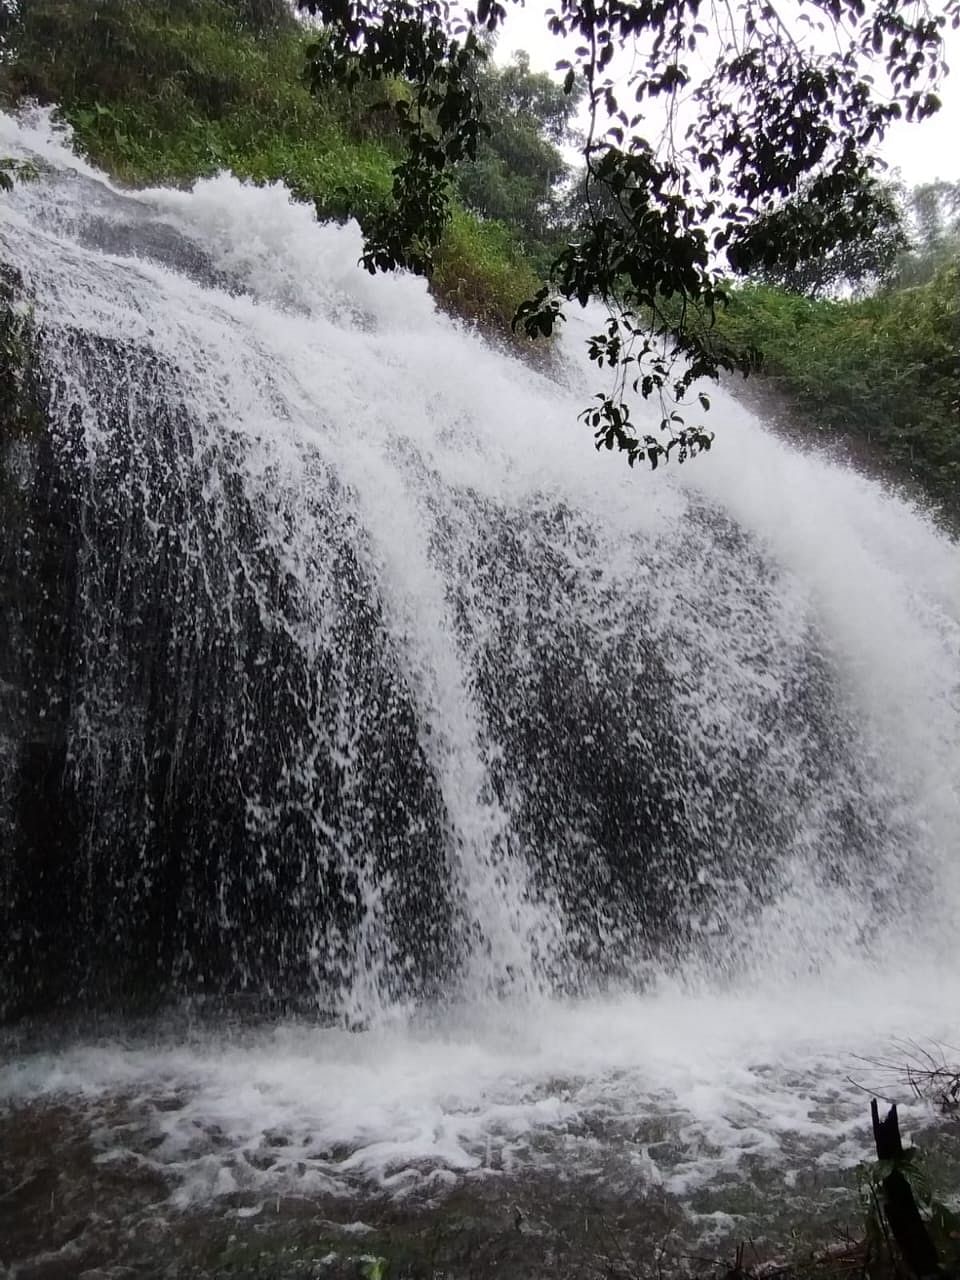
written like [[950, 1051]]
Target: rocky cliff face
[[332, 672], [158, 832]]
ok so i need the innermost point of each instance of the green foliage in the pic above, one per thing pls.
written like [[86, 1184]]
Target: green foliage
[[440, 123], [812, 246], [480, 271], [170, 92], [13, 171], [775, 116], [942, 1223], [518, 170], [374, 1268], [934, 211], [884, 368]]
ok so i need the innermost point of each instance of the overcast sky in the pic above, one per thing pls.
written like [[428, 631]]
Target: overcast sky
[[921, 152]]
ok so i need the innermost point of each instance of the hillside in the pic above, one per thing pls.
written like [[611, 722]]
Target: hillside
[[167, 94]]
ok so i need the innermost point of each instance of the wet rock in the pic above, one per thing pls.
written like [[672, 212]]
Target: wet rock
[[39, 1182], [47, 1269], [67, 1263], [261, 1160], [173, 1102]]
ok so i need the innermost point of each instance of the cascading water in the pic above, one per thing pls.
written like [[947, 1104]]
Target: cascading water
[[339, 672]]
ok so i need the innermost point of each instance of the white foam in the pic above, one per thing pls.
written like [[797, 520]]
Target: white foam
[[672, 1089], [315, 359]]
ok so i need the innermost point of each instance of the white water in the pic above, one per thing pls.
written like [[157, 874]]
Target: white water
[[673, 1090], [744, 1047]]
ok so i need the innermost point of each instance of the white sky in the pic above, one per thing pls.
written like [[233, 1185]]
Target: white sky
[[921, 152]]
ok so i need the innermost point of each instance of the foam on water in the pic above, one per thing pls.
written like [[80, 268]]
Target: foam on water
[[745, 1048], [673, 1089]]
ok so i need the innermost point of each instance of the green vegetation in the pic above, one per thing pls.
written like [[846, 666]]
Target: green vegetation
[[14, 171], [934, 212], [518, 175], [769, 118], [806, 248], [885, 368], [878, 365], [169, 93], [480, 273]]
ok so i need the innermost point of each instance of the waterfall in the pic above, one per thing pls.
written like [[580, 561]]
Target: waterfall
[[347, 671], [340, 675]]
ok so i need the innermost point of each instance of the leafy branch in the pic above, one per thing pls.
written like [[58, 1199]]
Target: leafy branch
[[14, 171], [666, 220]]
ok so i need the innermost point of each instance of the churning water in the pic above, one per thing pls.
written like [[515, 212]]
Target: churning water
[[561, 818]]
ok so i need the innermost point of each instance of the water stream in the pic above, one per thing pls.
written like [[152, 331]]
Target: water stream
[[403, 800]]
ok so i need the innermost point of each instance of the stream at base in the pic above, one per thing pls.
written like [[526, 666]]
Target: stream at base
[[580, 1135]]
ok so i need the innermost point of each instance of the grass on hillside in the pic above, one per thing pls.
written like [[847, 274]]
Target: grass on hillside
[[885, 368], [164, 94], [168, 93]]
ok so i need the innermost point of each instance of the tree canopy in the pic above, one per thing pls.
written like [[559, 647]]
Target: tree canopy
[[741, 137], [826, 255], [518, 173], [933, 215]]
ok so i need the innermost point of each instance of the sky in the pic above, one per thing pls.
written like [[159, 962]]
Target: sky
[[931, 149], [921, 152]]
